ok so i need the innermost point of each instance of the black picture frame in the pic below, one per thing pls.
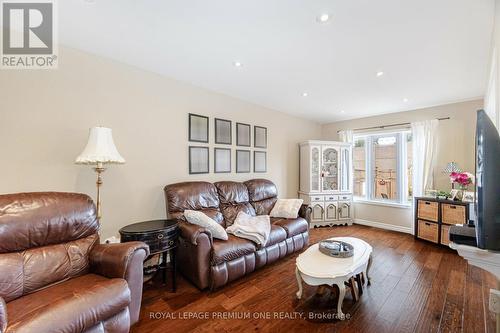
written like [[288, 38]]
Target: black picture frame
[[201, 137], [243, 168], [257, 130], [192, 169], [216, 169], [256, 168], [239, 128], [216, 131]]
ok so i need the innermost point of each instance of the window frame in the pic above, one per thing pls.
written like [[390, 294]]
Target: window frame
[[401, 171]]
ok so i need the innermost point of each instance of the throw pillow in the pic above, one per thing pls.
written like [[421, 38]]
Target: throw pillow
[[286, 208], [201, 219]]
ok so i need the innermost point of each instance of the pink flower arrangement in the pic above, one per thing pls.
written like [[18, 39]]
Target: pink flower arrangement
[[462, 178]]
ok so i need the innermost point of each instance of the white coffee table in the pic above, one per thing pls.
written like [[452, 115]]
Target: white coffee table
[[316, 268]]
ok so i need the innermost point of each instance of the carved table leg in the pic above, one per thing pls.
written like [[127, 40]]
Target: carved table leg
[[367, 270], [340, 314], [299, 282], [354, 290], [359, 280]]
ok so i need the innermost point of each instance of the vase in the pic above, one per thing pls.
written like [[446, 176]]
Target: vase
[[461, 192]]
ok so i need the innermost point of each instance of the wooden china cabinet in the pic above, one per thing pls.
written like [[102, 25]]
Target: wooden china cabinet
[[326, 181]]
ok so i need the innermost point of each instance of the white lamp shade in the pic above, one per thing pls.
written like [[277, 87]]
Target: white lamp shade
[[452, 167], [100, 148]]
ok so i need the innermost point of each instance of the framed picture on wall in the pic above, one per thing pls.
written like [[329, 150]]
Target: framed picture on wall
[[198, 128], [259, 161], [242, 161], [259, 137], [222, 160], [243, 135], [223, 131], [198, 160]]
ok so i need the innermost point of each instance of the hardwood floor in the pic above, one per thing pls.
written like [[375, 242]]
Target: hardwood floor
[[416, 287]]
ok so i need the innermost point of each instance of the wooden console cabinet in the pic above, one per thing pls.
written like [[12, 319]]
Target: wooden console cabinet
[[433, 218]]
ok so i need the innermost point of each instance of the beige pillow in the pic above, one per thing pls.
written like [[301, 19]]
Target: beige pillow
[[286, 208], [201, 219]]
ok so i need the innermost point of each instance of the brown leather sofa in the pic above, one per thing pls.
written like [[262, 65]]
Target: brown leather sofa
[[209, 262], [54, 274]]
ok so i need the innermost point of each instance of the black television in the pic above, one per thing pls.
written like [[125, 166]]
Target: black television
[[487, 206]]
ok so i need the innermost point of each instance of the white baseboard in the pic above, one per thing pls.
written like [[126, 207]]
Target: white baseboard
[[407, 230]]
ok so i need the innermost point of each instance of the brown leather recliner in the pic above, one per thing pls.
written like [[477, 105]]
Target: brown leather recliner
[[209, 262], [54, 274]]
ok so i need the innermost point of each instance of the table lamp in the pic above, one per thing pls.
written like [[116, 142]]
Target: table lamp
[[99, 151], [451, 167]]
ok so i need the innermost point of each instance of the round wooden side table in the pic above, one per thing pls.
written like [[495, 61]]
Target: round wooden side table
[[161, 236]]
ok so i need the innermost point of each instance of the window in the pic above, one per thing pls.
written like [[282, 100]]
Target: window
[[383, 167], [359, 160]]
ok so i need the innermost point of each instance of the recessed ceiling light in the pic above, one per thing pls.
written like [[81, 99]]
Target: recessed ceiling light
[[323, 18], [342, 111], [405, 100], [304, 94], [379, 74], [237, 64]]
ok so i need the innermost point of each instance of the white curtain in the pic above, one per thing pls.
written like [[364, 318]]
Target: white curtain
[[425, 143], [346, 136]]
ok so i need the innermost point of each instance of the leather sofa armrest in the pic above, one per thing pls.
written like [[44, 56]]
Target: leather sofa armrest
[[305, 212], [191, 232], [3, 316], [113, 260], [195, 251], [123, 260]]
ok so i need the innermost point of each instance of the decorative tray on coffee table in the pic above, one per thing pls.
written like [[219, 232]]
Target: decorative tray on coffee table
[[337, 249]]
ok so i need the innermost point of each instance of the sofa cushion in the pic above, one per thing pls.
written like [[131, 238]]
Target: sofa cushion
[[263, 195], [233, 198], [71, 306], [278, 234], [293, 227], [26, 271], [233, 248], [200, 196], [30, 220]]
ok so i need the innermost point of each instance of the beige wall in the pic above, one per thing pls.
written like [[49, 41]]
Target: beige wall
[[492, 98], [45, 116], [456, 143]]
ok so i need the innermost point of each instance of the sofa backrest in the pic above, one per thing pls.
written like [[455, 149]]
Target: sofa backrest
[[263, 195], [234, 198], [45, 238], [201, 196], [221, 201]]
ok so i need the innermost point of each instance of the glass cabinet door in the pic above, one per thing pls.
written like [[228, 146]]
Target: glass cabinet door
[[315, 169], [330, 169], [346, 170]]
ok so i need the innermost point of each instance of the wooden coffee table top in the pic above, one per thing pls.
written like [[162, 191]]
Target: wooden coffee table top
[[319, 265]]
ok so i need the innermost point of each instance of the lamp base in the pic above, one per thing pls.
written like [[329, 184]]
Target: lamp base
[[99, 169]]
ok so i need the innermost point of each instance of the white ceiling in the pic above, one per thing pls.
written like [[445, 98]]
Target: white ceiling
[[431, 51]]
